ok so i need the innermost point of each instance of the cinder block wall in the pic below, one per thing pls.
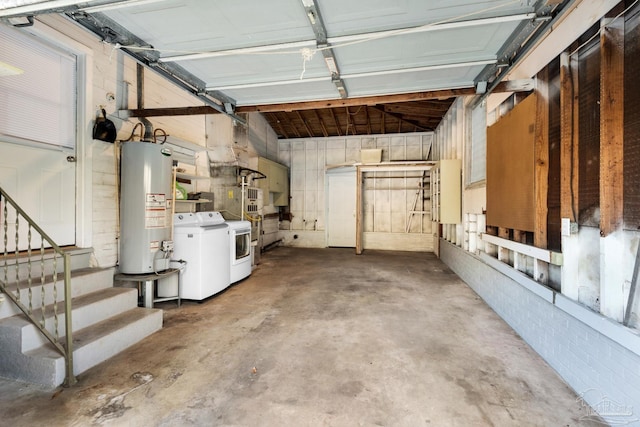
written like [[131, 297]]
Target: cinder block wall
[[598, 358]]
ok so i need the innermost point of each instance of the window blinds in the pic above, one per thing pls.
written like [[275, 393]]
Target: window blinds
[[38, 105]]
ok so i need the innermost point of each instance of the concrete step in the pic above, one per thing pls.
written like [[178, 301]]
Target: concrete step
[[87, 310], [80, 259], [105, 321], [83, 281], [92, 345]]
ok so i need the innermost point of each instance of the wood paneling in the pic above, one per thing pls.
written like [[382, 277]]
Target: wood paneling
[[611, 125], [510, 168], [632, 121]]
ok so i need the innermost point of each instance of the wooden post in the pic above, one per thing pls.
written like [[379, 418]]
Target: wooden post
[[612, 277], [569, 170], [568, 139], [358, 210], [541, 173], [611, 125]]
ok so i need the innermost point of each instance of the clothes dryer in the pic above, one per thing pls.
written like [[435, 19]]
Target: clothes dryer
[[239, 249]]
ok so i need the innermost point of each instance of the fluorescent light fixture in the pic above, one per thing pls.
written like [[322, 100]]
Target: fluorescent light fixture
[[9, 70]]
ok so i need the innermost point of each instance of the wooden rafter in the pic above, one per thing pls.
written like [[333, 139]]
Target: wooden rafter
[[399, 118], [335, 121], [305, 124], [279, 126], [366, 114], [322, 126], [295, 129]]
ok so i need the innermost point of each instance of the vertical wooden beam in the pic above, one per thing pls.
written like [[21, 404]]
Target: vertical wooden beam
[[359, 210], [612, 251], [611, 125], [541, 173], [568, 139]]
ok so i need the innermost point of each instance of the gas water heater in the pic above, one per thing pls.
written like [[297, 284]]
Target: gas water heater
[[145, 207]]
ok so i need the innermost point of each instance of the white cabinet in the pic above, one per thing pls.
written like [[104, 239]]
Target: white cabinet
[[446, 192], [277, 181]]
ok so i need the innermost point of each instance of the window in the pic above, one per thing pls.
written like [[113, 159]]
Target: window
[[38, 105], [478, 162]]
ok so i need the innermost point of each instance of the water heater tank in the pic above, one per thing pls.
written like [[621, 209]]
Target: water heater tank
[[145, 207]]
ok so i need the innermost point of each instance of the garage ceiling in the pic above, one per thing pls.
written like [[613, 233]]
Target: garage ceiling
[[316, 67]]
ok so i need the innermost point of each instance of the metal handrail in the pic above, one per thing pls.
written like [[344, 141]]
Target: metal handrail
[[67, 349]]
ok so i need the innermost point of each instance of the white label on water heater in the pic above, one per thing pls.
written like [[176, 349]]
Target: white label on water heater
[[154, 245], [155, 211]]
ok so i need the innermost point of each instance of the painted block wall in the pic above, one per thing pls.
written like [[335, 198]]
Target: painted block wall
[[387, 196], [112, 73], [597, 357]]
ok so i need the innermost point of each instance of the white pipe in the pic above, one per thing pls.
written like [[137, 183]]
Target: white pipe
[[242, 197]]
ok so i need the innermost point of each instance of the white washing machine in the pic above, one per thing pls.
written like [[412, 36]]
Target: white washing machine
[[240, 249], [202, 240]]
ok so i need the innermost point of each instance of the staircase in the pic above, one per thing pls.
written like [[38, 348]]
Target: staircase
[[105, 321]]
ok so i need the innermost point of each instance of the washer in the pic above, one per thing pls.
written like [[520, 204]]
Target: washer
[[202, 240], [240, 249]]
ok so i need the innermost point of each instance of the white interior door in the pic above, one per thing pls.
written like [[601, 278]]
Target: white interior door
[[341, 207], [38, 137], [42, 182]]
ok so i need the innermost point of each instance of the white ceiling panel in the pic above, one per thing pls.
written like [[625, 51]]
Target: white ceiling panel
[[267, 67], [387, 84], [430, 48], [209, 25], [256, 51], [293, 92], [350, 17]]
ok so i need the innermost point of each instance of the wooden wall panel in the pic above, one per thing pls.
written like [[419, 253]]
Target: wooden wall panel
[[510, 168]]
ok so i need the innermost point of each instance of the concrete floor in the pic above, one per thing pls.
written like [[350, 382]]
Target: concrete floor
[[318, 337]]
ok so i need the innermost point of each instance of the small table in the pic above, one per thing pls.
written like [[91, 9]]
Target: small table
[[150, 281]]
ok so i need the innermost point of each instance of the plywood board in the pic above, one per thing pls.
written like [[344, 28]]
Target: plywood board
[[510, 168]]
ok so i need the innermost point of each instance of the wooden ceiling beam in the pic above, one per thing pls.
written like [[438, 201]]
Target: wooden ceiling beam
[[295, 129], [278, 123], [352, 102], [322, 126], [335, 121], [400, 118], [305, 124], [371, 101]]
